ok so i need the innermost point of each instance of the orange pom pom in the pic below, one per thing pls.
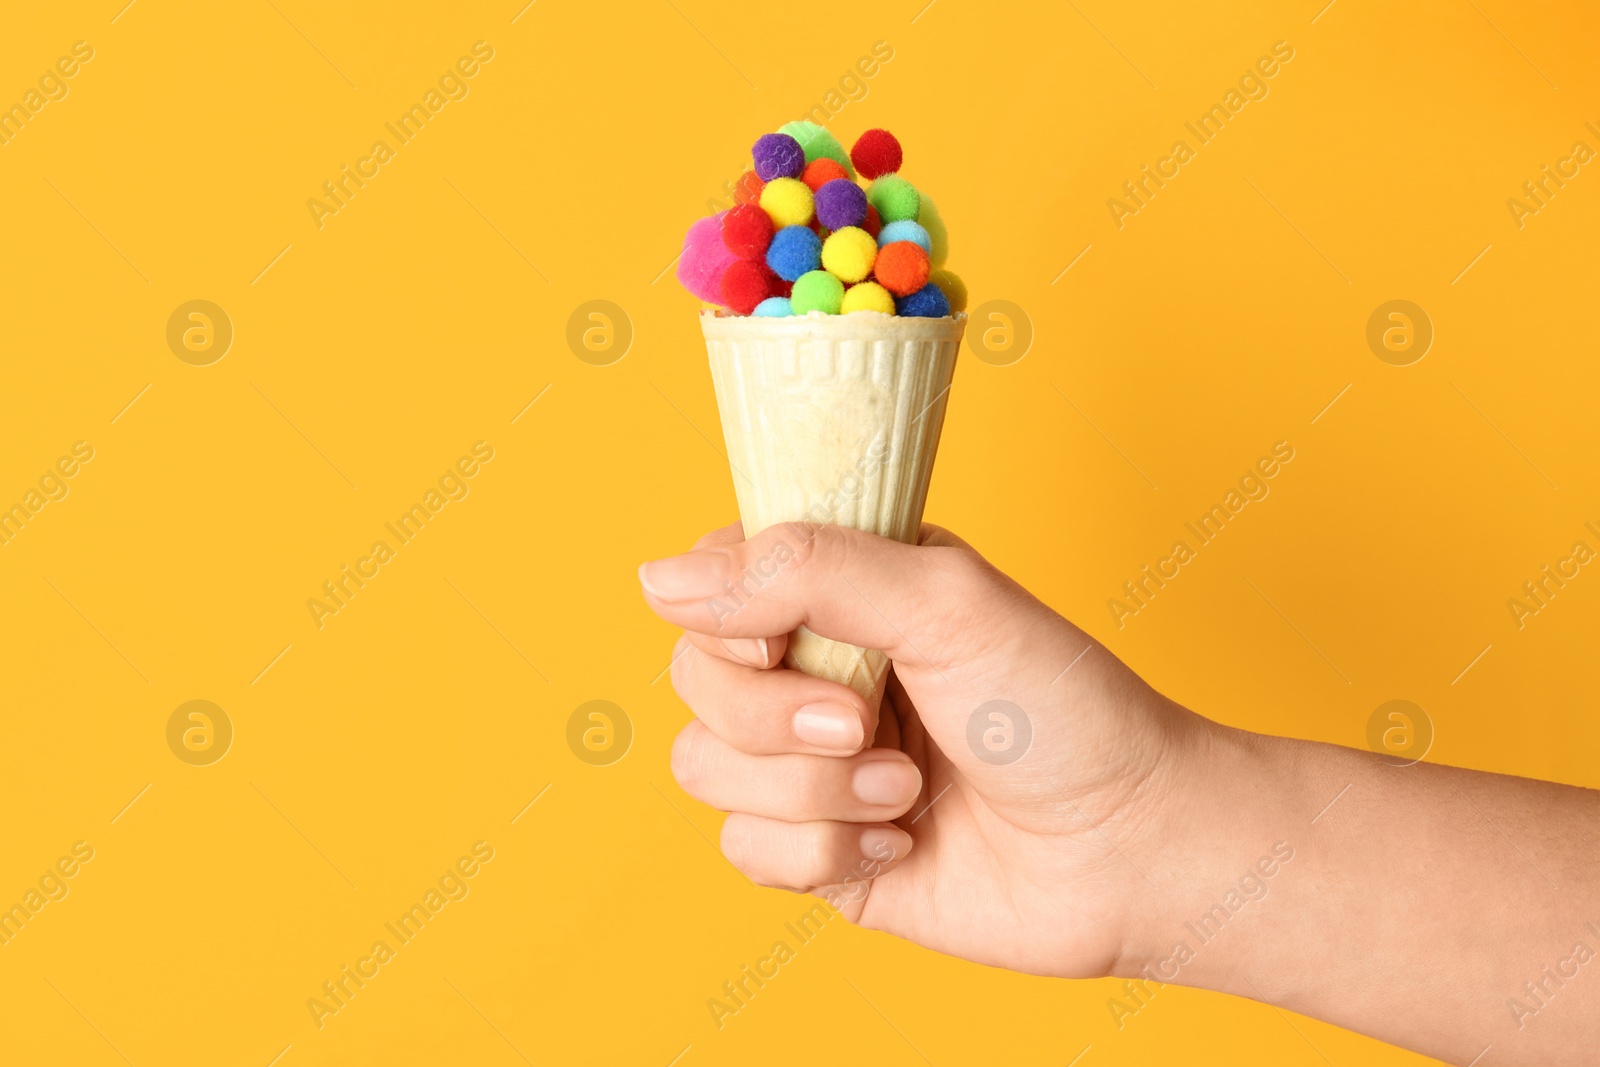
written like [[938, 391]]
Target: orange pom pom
[[901, 268], [747, 190], [822, 170]]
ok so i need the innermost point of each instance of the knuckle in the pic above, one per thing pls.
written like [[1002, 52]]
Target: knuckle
[[689, 762], [681, 668], [738, 842]]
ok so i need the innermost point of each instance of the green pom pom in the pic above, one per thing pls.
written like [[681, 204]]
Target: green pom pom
[[895, 198], [818, 144], [817, 290], [928, 218]]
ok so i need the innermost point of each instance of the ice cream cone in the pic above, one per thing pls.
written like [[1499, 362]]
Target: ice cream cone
[[831, 419]]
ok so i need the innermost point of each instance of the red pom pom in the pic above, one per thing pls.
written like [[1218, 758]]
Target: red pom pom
[[747, 190], [782, 288], [822, 170], [745, 284], [873, 223], [747, 231], [876, 153], [901, 268]]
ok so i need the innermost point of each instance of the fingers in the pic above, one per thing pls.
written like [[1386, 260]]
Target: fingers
[[872, 786], [803, 856], [769, 711], [758, 652], [841, 583]]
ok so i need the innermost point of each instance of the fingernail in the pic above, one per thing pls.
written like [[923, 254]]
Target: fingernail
[[887, 782], [751, 650], [836, 727], [884, 844], [687, 577]]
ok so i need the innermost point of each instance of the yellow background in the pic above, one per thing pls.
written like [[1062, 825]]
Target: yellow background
[[427, 314]]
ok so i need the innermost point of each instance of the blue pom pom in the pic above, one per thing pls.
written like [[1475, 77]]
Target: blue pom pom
[[929, 302], [774, 307], [906, 230], [794, 251]]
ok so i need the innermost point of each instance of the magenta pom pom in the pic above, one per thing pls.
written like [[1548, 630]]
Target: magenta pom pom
[[778, 155], [841, 203], [705, 259]]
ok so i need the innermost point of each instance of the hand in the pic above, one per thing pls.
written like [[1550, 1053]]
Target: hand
[[998, 832]]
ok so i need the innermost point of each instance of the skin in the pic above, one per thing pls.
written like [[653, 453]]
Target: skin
[[1131, 837]]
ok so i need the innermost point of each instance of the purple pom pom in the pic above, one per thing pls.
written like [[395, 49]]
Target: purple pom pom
[[778, 155], [841, 203]]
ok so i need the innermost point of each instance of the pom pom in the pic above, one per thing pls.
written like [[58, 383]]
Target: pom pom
[[841, 203], [876, 153], [817, 291], [822, 171], [705, 258], [952, 287], [788, 201], [747, 231], [904, 230], [849, 254], [894, 197], [773, 307], [794, 251], [928, 218], [785, 289], [874, 224], [926, 303], [818, 143], [747, 190], [902, 268], [868, 296], [778, 155], [744, 285]]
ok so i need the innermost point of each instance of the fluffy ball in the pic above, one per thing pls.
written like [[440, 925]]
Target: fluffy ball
[[818, 144], [952, 286], [705, 258], [747, 231], [868, 296], [904, 230], [926, 303], [876, 153], [794, 251], [929, 219], [744, 285], [849, 254], [902, 268], [773, 307], [777, 155], [817, 291], [820, 172], [747, 190], [895, 198], [841, 203], [788, 201], [874, 224]]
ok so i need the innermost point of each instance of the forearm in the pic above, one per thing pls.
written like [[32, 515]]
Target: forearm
[[1410, 903]]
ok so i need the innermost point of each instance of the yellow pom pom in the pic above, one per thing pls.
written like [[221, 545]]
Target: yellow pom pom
[[954, 289], [868, 296], [788, 201], [848, 254]]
